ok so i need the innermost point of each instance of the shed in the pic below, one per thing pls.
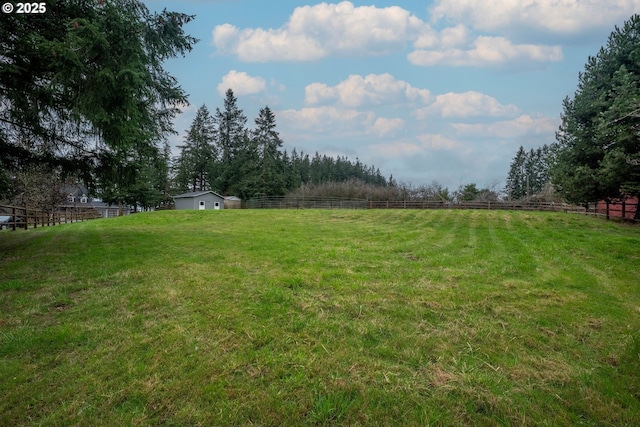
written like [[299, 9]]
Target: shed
[[232, 202], [200, 200]]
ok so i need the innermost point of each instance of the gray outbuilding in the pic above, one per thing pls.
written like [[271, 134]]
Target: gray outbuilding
[[200, 200]]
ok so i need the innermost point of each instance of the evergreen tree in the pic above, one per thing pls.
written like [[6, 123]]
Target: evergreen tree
[[271, 177], [467, 193], [244, 170], [305, 168], [150, 189], [598, 140], [198, 154], [294, 170], [516, 180], [84, 85], [231, 136], [528, 173]]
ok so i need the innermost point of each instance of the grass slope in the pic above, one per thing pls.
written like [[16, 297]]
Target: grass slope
[[321, 317]]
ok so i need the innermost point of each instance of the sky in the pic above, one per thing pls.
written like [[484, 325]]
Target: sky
[[439, 91]]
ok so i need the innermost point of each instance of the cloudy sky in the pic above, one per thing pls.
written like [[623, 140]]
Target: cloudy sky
[[441, 90]]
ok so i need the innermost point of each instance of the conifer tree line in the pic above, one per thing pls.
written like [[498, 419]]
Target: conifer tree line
[[597, 153], [85, 98], [222, 154], [528, 173]]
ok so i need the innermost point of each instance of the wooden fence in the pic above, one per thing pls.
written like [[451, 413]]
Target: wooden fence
[[620, 210], [25, 217], [486, 205], [625, 210], [285, 202]]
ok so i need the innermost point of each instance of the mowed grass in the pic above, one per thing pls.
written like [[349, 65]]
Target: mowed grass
[[321, 317]]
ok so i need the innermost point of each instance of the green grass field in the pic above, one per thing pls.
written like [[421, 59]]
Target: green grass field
[[274, 318]]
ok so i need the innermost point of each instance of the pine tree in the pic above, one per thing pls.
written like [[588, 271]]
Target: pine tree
[[151, 186], [84, 84], [271, 177], [198, 154], [516, 180], [528, 173], [598, 140], [231, 136], [245, 169]]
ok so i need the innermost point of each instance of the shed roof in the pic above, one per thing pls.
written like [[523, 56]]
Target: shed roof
[[196, 194]]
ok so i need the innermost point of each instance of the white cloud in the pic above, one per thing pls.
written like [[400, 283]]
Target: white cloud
[[396, 149], [373, 89], [327, 119], [241, 83], [520, 126], [554, 16], [383, 126], [314, 32], [339, 121], [437, 142], [258, 45], [467, 104], [319, 93], [425, 143], [486, 51], [445, 39]]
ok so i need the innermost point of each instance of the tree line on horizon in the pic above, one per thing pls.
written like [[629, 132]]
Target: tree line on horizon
[[596, 155], [85, 99], [220, 153]]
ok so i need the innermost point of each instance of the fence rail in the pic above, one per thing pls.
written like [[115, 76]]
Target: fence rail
[[626, 211], [487, 205], [15, 217], [622, 210], [272, 202]]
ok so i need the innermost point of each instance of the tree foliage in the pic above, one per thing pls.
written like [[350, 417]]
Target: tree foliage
[[232, 136], [528, 173], [271, 167], [221, 154], [151, 187], [198, 156], [82, 87], [37, 186], [598, 147], [471, 193]]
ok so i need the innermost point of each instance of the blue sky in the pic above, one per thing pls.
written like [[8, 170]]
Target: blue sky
[[442, 90]]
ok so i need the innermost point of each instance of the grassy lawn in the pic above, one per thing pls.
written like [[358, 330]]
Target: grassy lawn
[[321, 317]]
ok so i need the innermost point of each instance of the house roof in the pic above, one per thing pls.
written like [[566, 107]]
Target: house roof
[[196, 194], [74, 189]]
